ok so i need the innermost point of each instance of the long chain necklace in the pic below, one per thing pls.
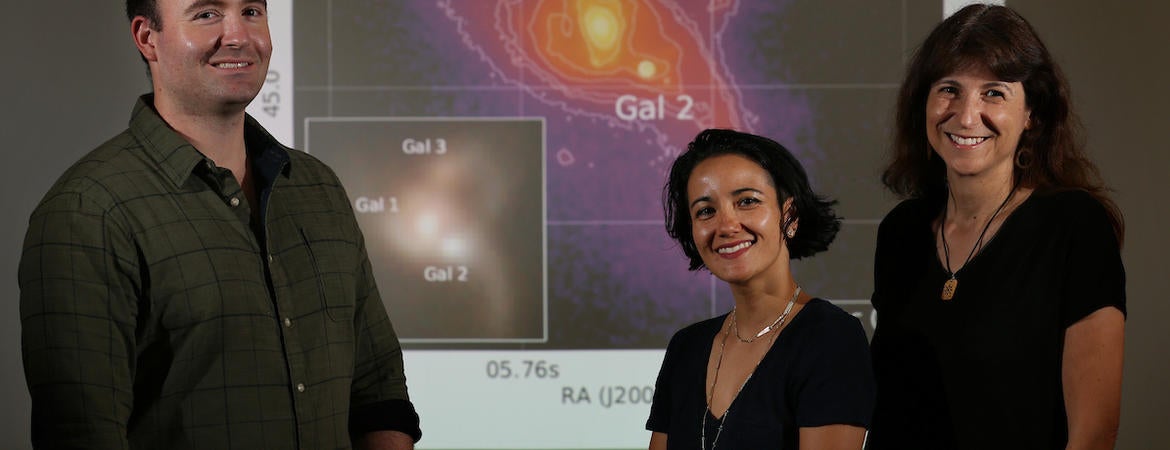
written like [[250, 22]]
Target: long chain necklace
[[952, 283], [719, 363], [775, 324]]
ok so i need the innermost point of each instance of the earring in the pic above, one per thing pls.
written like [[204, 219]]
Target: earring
[[1023, 159], [791, 233]]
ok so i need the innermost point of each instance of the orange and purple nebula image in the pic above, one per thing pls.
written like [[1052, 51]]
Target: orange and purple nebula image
[[621, 88]]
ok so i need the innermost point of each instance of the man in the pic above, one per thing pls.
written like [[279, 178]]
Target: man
[[191, 283]]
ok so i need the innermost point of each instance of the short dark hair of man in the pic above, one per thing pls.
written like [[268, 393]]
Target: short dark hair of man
[[145, 8]]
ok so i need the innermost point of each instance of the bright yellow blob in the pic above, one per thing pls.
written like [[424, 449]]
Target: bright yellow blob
[[646, 69], [602, 26]]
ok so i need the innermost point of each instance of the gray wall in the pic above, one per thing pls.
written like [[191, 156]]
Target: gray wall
[[78, 68], [1116, 57], [69, 79]]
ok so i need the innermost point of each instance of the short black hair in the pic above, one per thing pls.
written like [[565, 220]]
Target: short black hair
[[145, 8], [818, 224], [149, 10]]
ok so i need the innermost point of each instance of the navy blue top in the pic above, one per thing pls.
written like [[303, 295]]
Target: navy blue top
[[816, 373]]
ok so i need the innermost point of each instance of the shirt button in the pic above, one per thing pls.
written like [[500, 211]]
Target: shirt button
[[300, 387], [287, 322], [235, 201]]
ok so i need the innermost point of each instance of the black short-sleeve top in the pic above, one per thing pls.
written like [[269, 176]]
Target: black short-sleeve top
[[983, 369], [816, 373]]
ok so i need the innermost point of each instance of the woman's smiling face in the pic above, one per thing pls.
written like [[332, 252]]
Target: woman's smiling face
[[736, 216], [974, 122]]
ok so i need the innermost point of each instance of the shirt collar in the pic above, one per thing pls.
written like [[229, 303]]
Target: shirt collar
[[178, 158]]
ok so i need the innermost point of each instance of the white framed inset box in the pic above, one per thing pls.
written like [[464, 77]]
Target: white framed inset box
[[453, 214]]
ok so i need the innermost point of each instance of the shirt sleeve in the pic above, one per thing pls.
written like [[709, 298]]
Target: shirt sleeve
[[881, 270], [378, 395], [1094, 276], [836, 384], [661, 408], [79, 286], [909, 411], [892, 255]]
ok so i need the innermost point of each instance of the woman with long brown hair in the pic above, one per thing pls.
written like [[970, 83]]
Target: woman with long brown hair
[[998, 281]]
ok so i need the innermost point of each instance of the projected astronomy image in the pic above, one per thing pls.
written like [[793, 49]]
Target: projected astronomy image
[[506, 158]]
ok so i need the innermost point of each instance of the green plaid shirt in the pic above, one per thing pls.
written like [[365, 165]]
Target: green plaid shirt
[[156, 315]]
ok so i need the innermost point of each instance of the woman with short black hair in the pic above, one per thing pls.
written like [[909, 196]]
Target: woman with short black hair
[[783, 369]]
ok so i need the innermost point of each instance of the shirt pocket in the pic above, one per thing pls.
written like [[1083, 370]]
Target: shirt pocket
[[334, 258]]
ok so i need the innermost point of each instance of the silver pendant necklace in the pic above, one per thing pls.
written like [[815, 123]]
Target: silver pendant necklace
[[775, 324], [719, 363]]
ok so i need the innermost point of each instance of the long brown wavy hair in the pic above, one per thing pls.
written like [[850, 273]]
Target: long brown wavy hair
[[1050, 155]]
